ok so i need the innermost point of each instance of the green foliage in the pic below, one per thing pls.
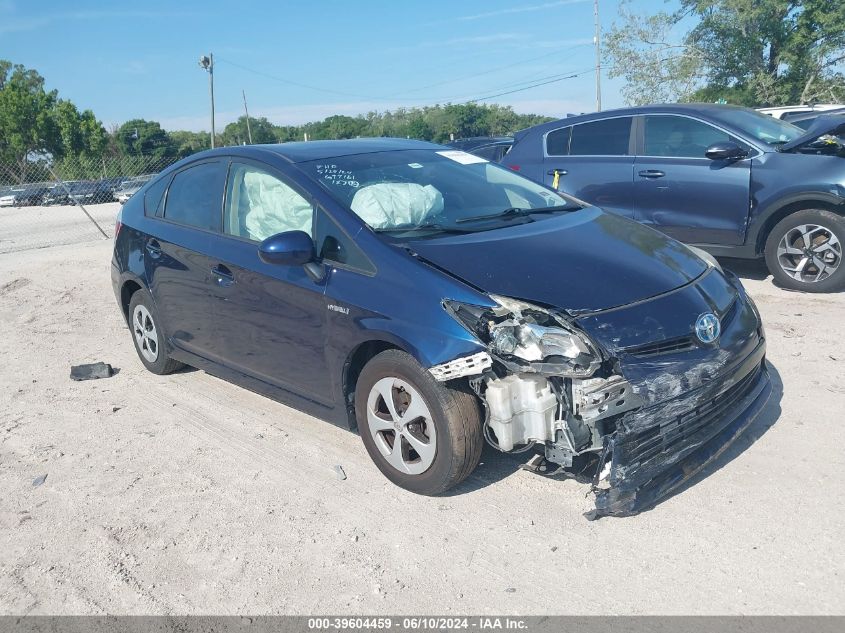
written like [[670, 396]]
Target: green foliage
[[749, 52], [27, 122], [655, 68], [186, 143], [139, 137], [261, 129]]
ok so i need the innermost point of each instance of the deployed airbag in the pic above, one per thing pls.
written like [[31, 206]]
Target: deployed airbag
[[274, 207], [388, 205]]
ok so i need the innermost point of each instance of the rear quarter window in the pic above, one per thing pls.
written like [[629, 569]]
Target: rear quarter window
[[195, 196], [557, 142], [154, 197]]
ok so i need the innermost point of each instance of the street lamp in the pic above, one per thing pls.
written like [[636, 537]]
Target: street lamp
[[207, 64]]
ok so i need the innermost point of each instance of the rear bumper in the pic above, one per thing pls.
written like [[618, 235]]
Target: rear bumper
[[648, 465]]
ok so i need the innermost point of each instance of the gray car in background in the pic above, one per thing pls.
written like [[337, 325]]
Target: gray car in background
[[130, 187]]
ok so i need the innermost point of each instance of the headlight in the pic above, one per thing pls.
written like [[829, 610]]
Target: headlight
[[530, 337]]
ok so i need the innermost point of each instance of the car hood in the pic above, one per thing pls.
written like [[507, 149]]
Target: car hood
[[582, 261], [832, 124]]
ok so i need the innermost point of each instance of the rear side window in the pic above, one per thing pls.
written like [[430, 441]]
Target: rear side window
[[195, 196], [557, 142], [609, 137], [154, 197], [680, 137]]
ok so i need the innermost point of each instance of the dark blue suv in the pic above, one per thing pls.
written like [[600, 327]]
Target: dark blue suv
[[730, 180], [434, 301]]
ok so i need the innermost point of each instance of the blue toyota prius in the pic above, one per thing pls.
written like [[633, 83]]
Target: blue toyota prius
[[434, 302]]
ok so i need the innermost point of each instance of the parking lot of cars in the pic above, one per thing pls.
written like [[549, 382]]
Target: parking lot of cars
[[118, 189]]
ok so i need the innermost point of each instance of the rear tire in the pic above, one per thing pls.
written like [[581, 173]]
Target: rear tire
[[804, 251], [438, 428], [148, 335]]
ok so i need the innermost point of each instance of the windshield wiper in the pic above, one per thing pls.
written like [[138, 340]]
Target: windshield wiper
[[514, 212], [422, 227]]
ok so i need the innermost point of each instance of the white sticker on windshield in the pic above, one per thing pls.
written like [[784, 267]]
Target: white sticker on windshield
[[462, 157]]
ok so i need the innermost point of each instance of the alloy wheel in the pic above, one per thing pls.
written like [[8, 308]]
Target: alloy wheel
[[809, 253], [146, 335], [401, 425]]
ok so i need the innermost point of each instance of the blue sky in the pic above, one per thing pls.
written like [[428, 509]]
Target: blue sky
[[301, 61]]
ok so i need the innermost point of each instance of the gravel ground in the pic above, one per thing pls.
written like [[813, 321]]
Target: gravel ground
[[185, 494]]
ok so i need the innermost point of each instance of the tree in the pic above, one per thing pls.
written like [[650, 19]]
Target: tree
[[144, 138], [261, 129], [27, 124], [655, 67], [187, 143], [750, 52], [420, 129], [80, 134]]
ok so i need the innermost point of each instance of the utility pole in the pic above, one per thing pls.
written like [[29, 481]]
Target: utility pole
[[597, 41], [248, 131], [207, 64]]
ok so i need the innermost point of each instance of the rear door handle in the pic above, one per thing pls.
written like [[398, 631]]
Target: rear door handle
[[222, 275], [559, 172], [652, 173], [154, 248]]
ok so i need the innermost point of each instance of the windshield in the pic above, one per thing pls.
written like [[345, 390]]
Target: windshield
[[432, 190], [761, 126]]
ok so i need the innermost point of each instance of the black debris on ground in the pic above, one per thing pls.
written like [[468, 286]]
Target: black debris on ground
[[92, 371]]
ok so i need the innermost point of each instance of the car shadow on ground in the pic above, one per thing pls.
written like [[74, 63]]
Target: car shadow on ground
[[495, 465], [746, 268]]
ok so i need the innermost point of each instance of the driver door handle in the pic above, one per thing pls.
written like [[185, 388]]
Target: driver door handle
[[559, 172], [652, 173]]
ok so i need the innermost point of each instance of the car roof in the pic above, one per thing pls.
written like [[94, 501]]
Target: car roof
[[299, 152], [817, 113], [713, 109]]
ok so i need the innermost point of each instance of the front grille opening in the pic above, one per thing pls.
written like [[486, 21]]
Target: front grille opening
[[679, 344]]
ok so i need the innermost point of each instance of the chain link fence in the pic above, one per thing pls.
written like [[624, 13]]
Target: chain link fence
[[45, 202]]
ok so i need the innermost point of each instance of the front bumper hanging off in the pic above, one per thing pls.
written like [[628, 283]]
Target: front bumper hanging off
[[656, 450]]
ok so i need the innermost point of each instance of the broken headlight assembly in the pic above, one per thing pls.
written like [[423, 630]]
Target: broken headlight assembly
[[528, 338]]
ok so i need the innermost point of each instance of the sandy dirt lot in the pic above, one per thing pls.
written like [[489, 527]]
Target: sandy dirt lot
[[185, 494]]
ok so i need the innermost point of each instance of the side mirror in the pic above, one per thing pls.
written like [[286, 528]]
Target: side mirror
[[291, 248], [725, 150]]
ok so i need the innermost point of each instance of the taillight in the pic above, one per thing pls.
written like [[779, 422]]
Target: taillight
[[514, 167], [117, 226]]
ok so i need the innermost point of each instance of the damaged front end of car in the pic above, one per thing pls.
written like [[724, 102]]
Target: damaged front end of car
[[642, 418]]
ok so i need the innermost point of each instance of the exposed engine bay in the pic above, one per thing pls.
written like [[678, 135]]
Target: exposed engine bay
[[544, 383]]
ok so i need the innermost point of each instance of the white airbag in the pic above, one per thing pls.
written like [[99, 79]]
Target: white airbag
[[387, 205], [274, 207]]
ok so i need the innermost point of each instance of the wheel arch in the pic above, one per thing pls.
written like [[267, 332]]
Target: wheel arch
[[355, 362], [129, 285], [793, 204]]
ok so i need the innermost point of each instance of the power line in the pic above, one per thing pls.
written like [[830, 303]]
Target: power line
[[401, 96], [544, 83], [497, 69]]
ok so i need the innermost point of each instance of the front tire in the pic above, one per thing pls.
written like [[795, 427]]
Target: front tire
[[422, 435], [804, 251], [148, 336]]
